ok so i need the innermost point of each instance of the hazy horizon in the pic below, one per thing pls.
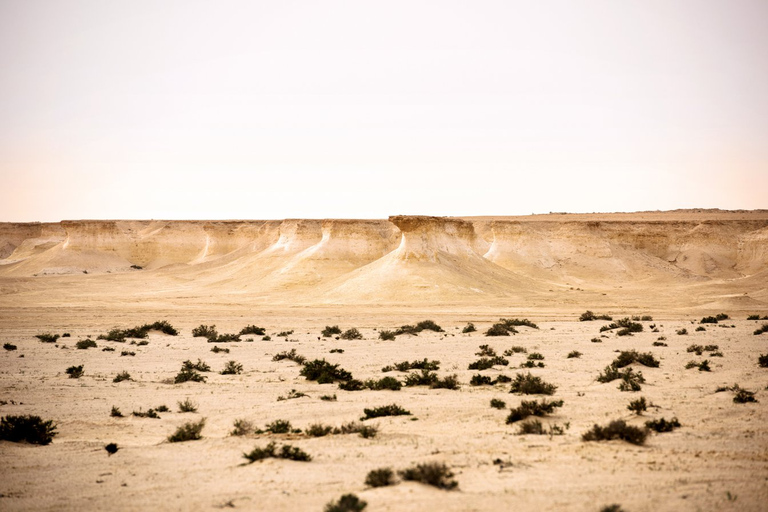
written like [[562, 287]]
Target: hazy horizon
[[273, 110]]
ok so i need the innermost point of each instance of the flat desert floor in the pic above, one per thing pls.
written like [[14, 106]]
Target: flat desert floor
[[717, 459]]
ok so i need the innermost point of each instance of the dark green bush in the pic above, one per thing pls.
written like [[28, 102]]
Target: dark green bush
[[217, 349], [188, 375], [199, 366], [487, 362], [485, 351], [470, 327], [386, 335], [516, 322], [407, 329], [385, 410], [205, 331], [617, 429], [75, 372], [574, 354], [330, 331], [279, 427], [500, 329], [762, 361], [284, 334], [232, 368], [708, 320], [270, 451], [47, 337], [638, 406], [431, 473], [347, 503], [531, 385], [9, 346], [324, 372], [382, 477], [187, 406], [628, 357], [115, 413], [352, 385], [252, 329], [150, 413], [588, 316], [450, 382], [111, 448], [515, 350], [743, 396], [414, 365], [242, 428], [532, 408], [498, 404], [681, 332], [120, 377], [662, 425], [318, 430], [351, 334], [760, 330], [630, 380], [428, 325], [390, 383], [85, 344], [224, 338], [27, 428], [353, 427], [480, 380], [291, 355]]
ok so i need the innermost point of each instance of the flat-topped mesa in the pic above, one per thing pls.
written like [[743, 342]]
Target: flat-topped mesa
[[425, 238]]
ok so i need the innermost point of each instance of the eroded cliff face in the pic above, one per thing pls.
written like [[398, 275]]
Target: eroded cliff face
[[371, 260]]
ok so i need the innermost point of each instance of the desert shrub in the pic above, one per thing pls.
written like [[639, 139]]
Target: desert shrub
[[270, 451], [588, 316], [630, 380], [499, 329], [252, 329], [162, 408], [232, 368], [75, 372], [516, 322], [242, 428], [573, 354], [352, 385], [85, 344], [386, 335], [218, 349], [127, 353], [596, 340], [279, 427], [318, 430], [330, 331], [646, 318], [659, 344], [328, 398], [291, 395], [27, 428], [111, 448], [498, 404], [662, 425], [390, 383], [708, 320], [722, 316], [615, 507], [762, 361], [485, 350], [515, 350], [617, 429], [189, 431], [336, 351], [425, 378], [700, 328], [9, 346], [487, 362], [449, 382], [531, 427], [284, 334], [628, 327], [702, 366], [347, 503], [353, 427], [404, 366], [628, 357], [188, 375], [380, 477], [753, 317], [120, 377], [760, 330], [205, 331], [266, 338], [115, 413], [430, 473], [428, 325], [502, 379], [743, 396], [384, 410], [290, 355], [681, 332], [47, 337], [149, 413], [470, 327], [532, 408], [187, 406], [698, 349], [535, 356], [199, 366], [480, 380], [324, 372], [224, 338], [351, 334], [531, 385], [407, 329], [531, 364], [66, 335], [638, 406]]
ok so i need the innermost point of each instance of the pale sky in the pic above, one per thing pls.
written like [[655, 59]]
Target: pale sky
[[357, 109]]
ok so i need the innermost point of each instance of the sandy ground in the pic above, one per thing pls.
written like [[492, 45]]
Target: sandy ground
[[717, 460]]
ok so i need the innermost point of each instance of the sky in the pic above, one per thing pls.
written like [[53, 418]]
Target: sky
[[360, 109]]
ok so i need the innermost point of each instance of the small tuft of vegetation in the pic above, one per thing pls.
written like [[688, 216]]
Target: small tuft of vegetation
[[199, 366], [292, 394], [328, 398], [470, 327], [499, 329], [115, 413], [291, 355], [617, 429], [760, 330], [85, 344], [324, 372], [279, 427], [498, 404], [702, 366], [516, 349], [390, 383], [205, 331], [531, 385], [318, 430], [330, 331], [425, 378], [188, 375], [270, 451], [127, 353], [449, 382], [353, 427], [120, 377], [232, 368], [382, 477], [574, 354], [47, 337], [662, 425], [242, 428], [628, 357], [485, 363], [284, 334], [681, 332], [532, 408], [190, 431], [352, 385], [29, 429], [187, 406], [385, 410], [252, 329], [486, 351], [762, 361], [386, 335], [481, 380], [336, 351], [589, 316], [431, 473], [150, 413], [9, 346], [659, 344], [351, 334], [638, 406], [630, 380], [347, 503], [218, 349], [743, 396], [75, 372]]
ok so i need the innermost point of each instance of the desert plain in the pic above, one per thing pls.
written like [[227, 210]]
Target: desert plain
[[297, 277]]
